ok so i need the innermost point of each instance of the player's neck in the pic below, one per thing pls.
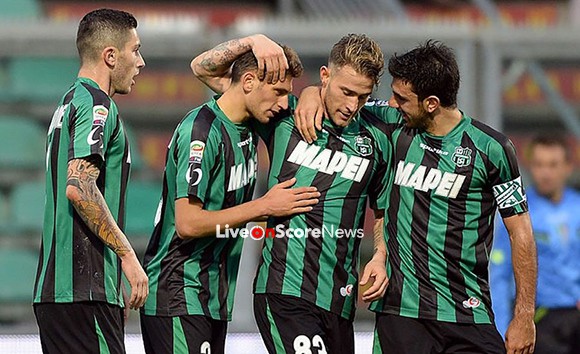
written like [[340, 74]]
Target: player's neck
[[444, 121], [232, 104], [101, 77]]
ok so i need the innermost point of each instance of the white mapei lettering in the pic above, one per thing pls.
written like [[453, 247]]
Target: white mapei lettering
[[241, 175], [445, 184], [329, 161], [403, 172], [321, 161], [431, 180], [303, 153], [337, 163]]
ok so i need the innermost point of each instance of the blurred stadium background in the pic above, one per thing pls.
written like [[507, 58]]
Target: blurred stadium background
[[519, 60]]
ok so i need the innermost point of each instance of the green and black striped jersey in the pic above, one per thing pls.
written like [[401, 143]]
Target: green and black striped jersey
[[75, 265], [440, 217], [346, 165], [214, 160]]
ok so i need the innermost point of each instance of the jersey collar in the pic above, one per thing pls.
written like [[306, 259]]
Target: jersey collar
[[212, 104], [88, 81], [458, 129]]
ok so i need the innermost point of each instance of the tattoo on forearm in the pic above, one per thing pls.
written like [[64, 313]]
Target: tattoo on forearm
[[223, 55], [92, 208]]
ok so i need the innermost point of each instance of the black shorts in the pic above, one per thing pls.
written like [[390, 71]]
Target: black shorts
[[80, 327], [404, 335], [558, 331], [294, 326], [183, 334]]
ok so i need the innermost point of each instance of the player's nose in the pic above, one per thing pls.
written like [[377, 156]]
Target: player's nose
[[283, 102], [140, 61]]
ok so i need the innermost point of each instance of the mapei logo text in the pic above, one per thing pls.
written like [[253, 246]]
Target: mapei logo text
[[329, 162], [242, 174], [445, 184]]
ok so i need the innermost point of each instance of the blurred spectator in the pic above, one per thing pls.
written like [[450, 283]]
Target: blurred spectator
[[554, 209]]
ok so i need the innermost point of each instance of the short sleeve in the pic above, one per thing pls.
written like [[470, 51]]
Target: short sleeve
[[382, 110], [378, 191], [91, 128], [506, 181], [197, 155]]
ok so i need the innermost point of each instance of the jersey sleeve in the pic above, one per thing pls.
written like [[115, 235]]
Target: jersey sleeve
[[506, 181], [379, 186], [91, 128], [382, 110], [197, 155]]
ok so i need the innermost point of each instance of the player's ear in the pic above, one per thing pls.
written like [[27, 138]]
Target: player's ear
[[324, 75], [249, 81], [431, 103], [109, 56]]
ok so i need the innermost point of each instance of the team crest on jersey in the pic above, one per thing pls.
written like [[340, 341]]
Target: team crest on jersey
[[363, 145], [462, 156], [471, 303], [196, 149], [100, 114]]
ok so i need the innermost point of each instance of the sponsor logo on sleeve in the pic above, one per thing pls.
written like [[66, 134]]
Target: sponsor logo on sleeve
[[100, 114], [509, 194], [95, 136], [196, 149]]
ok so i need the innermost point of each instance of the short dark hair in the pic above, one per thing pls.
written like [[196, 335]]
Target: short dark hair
[[431, 69], [248, 62], [102, 28], [360, 52], [556, 140]]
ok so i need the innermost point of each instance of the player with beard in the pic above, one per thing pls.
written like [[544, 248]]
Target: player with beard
[[450, 172], [78, 301]]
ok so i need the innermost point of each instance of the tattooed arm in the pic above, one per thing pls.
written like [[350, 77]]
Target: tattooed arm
[[85, 196], [212, 67], [376, 267]]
